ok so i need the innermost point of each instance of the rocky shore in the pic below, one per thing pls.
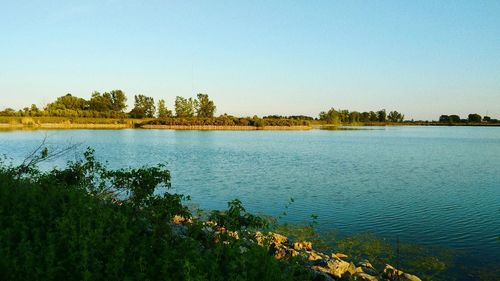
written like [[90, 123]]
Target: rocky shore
[[324, 267]]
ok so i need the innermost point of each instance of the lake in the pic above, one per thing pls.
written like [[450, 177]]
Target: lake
[[425, 185]]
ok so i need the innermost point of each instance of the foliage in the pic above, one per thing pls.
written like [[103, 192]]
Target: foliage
[[163, 111], [340, 116], [86, 222], [236, 217], [144, 107], [226, 120], [184, 107], [332, 116], [205, 107], [474, 118], [395, 117]]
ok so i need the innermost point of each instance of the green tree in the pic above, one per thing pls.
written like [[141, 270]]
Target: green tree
[[332, 116], [143, 107], [354, 117], [395, 116], [68, 102], [101, 102], [184, 107], [118, 100], [381, 115], [163, 111], [204, 106], [474, 118], [454, 119], [444, 119]]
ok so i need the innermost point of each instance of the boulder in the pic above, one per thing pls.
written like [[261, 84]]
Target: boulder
[[367, 267], [337, 268], [302, 245], [312, 256], [278, 251], [392, 273], [340, 255], [278, 238]]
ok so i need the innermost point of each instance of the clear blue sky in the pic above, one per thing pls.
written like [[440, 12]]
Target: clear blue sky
[[420, 57]]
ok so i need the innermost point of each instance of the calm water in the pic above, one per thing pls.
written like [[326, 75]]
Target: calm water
[[429, 185]]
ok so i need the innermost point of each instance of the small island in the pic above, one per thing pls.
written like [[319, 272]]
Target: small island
[[108, 111]]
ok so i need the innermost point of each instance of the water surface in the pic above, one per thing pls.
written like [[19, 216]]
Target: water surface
[[426, 185]]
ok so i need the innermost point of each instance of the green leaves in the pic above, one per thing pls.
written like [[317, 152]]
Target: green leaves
[[88, 222], [236, 217]]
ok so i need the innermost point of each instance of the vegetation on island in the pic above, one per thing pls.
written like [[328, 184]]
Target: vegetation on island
[[344, 116], [472, 118], [199, 111], [111, 108]]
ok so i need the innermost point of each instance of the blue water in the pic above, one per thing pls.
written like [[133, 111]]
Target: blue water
[[427, 185]]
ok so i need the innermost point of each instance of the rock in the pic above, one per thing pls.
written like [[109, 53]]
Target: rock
[[278, 251], [259, 238], [367, 267], [392, 273], [341, 256], [361, 276], [278, 238], [293, 253], [352, 268], [178, 219], [337, 268], [233, 234], [302, 245], [313, 256], [409, 277]]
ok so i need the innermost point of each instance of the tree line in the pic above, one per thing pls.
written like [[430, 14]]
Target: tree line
[[471, 118], [113, 104], [334, 116]]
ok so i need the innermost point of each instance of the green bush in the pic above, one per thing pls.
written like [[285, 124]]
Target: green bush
[[86, 222]]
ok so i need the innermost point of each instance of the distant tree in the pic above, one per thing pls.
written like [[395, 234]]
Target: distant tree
[[163, 111], [344, 115], [204, 106], [381, 115], [486, 119], [8, 112], [68, 102], [444, 119], [354, 117], [365, 117], [373, 116], [474, 118], [395, 116], [454, 119], [184, 107], [143, 107], [101, 102], [118, 100], [332, 116]]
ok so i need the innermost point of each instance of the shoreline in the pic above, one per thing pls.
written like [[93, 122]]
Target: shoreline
[[225, 128], [69, 126]]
